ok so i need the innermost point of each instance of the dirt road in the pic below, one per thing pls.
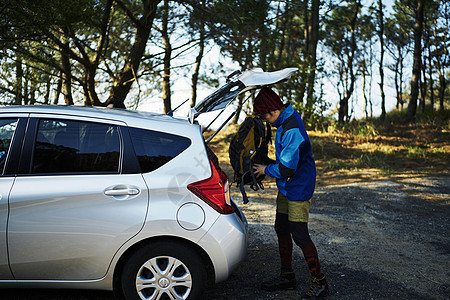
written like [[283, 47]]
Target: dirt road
[[383, 238], [378, 239]]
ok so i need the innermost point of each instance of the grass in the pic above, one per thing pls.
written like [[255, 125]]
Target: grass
[[374, 147]]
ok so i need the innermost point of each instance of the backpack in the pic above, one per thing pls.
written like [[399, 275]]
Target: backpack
[[249, 145]]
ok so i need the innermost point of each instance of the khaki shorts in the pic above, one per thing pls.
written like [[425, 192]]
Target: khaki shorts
[[297, 211]]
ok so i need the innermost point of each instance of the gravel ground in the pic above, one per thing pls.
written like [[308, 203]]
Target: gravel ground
[[380, 239], [385, 238]]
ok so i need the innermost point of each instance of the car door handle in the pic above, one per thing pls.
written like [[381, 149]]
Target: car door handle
[[122, 192]]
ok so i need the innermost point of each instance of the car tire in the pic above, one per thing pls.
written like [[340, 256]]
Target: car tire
[[164, 270]]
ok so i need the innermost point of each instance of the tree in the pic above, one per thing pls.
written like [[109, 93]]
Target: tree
[[127, 75], [368, 32], [441, 52], [342, 29], [311, 41], [240, 35], [418, 26], [167, 57], [197, 23], [74, 41], [381, 38], [431, 10], [291, 38], [398, 39]]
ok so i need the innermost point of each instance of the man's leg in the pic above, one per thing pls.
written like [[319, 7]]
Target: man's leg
[[298, 222], [284, 242], [286, 279], [302, 239], [319, 286]]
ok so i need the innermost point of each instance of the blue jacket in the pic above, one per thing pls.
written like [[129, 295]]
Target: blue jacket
[[294, 168]]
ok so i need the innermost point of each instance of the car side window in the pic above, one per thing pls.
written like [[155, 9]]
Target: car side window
[[154, 148], [7, 128], [64, 146]]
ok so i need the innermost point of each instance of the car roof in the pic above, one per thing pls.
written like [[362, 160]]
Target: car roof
[[90, 111]]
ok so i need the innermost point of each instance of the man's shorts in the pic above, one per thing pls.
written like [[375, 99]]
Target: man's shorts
[[297, 211]]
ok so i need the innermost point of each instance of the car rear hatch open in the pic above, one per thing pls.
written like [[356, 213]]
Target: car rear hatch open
[[238, 83]]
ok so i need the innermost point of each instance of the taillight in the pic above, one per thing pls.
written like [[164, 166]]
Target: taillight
[[215, 191]]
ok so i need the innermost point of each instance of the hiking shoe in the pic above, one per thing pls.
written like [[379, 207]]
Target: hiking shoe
[[318, 289], [285, 281]]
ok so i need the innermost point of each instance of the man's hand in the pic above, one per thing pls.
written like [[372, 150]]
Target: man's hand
[[259, 169]]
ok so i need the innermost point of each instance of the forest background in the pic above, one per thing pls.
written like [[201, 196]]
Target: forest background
[[349, 53]]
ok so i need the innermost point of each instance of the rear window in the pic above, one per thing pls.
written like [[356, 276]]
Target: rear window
[[154, 148]]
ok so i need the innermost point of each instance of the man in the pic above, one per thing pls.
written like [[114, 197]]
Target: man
[[295, 173]]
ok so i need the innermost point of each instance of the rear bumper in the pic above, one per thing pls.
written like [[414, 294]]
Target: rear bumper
[[226, 243]]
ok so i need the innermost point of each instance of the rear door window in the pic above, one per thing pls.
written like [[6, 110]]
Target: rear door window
[[7, 128], [65, 146], [154, 148]]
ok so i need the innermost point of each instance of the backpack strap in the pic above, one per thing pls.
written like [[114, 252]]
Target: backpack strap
[[254, 186], [268, 133], [244, 194]]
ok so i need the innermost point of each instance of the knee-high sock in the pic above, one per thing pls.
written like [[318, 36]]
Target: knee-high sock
[[312, 258], [300, 234], [285, 248], [284, 241]]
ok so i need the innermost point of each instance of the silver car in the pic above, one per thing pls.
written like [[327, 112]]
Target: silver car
[[99, 198]]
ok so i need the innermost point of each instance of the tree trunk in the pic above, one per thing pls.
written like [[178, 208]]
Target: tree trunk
[[412, 106], [381, 37], [58, 90], [263, 38], [304, 65], [402, 102], [371, 58], [91, 95], [312, 51], [18, 84], [423, 86], [284, 24], [442, 87], [343, 102], [442, 61], [423, 80], [430, 73], [198, 60], [32, 96], [397, 85], [87, 99], [91, 66], [238, 109], [365, 103], [25, 92], [66, 77], [441, 68], [167, 56], [127, 75], [247, 62], [48, 88]]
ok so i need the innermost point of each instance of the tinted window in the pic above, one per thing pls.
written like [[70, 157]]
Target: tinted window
[[7, 128], [72, 147], [154, 148]]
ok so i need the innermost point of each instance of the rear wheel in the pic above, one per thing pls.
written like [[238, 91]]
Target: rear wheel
[[164, 270]]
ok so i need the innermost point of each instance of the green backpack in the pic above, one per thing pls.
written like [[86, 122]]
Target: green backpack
[[249, 145]]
